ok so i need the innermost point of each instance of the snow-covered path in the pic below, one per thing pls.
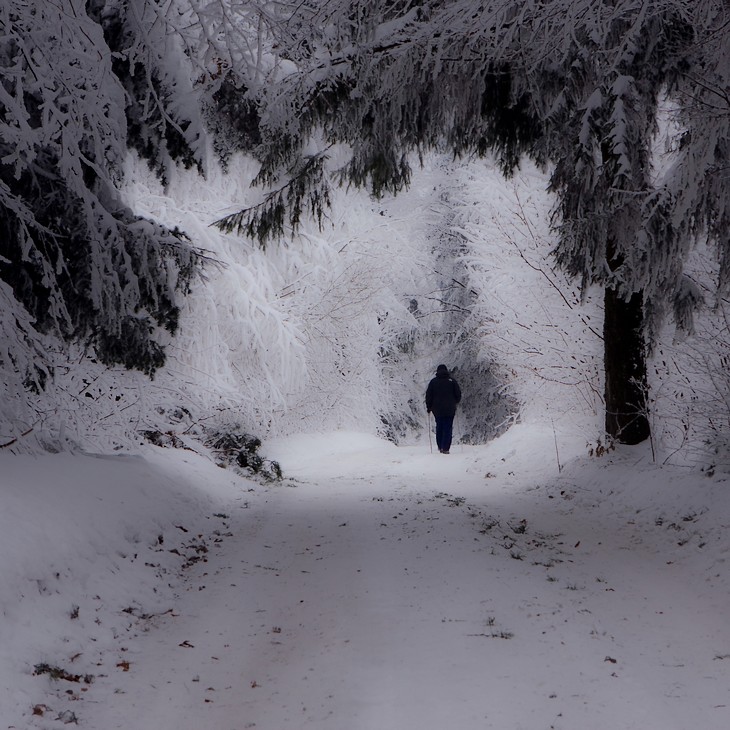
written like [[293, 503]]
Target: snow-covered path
[[392, 589]]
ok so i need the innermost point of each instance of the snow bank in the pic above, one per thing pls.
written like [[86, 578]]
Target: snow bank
[[93, 548]]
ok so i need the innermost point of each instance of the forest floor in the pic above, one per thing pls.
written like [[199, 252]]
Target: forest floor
[[390, 588]]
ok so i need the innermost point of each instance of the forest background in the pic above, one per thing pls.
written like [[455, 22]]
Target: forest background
[[131, 127]]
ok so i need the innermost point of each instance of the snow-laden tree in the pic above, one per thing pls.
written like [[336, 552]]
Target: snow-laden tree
[[185, 66], [690, 196], [82, 82], [84, 266], [575, 85]]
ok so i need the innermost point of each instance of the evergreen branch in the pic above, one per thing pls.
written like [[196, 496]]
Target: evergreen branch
[[307, 185]]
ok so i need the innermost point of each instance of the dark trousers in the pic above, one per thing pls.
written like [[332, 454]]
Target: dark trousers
[[444, 429]]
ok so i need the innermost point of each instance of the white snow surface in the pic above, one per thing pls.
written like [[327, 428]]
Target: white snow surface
[[377, 587]]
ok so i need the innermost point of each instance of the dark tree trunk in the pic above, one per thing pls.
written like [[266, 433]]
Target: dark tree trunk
[[625, 367]]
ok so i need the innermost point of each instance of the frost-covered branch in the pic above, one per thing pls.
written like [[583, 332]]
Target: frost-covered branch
[[573, 83], [82, 264]]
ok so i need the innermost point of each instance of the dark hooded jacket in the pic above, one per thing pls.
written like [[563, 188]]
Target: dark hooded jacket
[[443, 394]]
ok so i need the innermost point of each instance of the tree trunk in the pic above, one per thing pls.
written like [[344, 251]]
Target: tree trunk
[[624, 358]]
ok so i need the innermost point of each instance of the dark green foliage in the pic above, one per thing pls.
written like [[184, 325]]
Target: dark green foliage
[[382, 170], [164, 440], [249, 460], [232, 118], [154, 130], [151, 136], [57, 673], [230, 448], [228, 442], [82, 264], [513, 126], [242, 449], [307, 187], [599, 138], [131, 346], [109, 286]]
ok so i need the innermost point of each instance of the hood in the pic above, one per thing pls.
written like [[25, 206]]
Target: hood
[[442, 371]]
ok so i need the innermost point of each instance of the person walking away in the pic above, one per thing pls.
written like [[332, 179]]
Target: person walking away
[[442, 396]]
